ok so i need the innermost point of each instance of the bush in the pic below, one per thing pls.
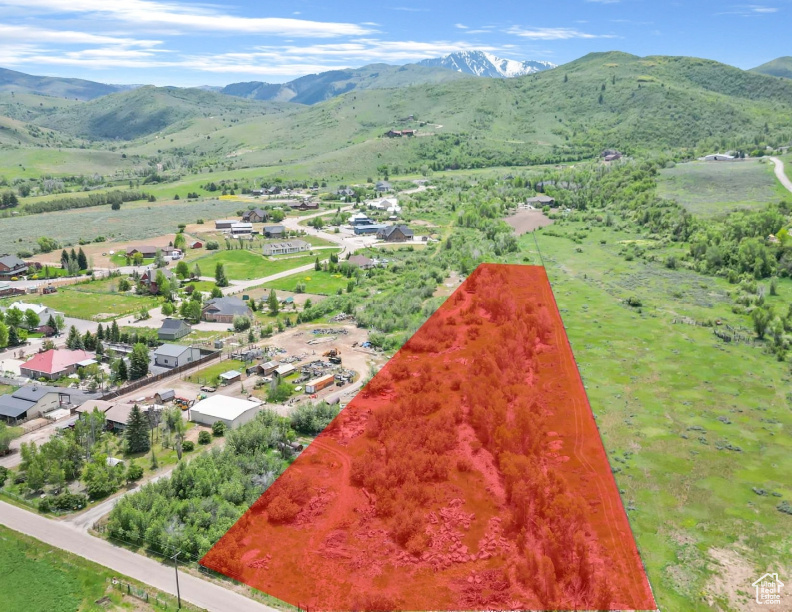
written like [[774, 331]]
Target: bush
[[189, 445], [218, 428], [3, 475], [204, 437], [634, 302], [212, 245], [134, 472], [65, 502]]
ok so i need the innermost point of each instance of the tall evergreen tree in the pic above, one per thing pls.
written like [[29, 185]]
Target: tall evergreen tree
[[220, 277], [64, 259], [74, 341], [115, 333], [121, 373], [82, 260], [13, 336], [137, 431], [73, 255], [272, 302], [100, 332], [138, 362]]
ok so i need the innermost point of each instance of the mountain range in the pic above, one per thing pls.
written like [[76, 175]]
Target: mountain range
[[781, 67], [483, 64]]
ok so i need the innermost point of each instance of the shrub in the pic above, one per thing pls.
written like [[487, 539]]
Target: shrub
[[3, 475], [218, 428], [189, 445], [212, 245], [134, 472], [204, 437]]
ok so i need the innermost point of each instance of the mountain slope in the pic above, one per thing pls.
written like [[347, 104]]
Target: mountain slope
[[483, 64], [148, 110], [18, 82], [315, 88], [780, 67]]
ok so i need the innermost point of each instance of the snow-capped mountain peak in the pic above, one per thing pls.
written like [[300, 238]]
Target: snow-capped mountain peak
[[482, 63]]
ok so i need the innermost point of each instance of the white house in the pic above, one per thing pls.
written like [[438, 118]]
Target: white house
[[232, 411], [43, 312], [175, 355]]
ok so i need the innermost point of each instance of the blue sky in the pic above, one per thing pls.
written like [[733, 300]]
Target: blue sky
[[174, 42]]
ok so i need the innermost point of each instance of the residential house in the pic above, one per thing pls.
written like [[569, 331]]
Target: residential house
[[284, 248], [32, 401], [91, 405], [149, 278], [241, 229], [117, 417], [274, 231], [173, 329], [540, 200], [393, 134], [360, 219], [224, 309], [612, 157], [53, 364], [170, 252], [304, 205], [395, 233], [274, 190], [148, 251], [257, 192], [382, 186], [175, 355], [11, 265], [360, 261], [43, 312], [345, 193], [231, 411], [224, 223], [719, 157], [257, 215]]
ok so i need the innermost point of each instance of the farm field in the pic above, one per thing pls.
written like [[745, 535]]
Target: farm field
[[693, 426], [135, 221], [36, 577], [319, 283], [94, 306], [714, 188]]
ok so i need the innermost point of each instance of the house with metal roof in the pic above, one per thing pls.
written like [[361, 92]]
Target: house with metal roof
[[395, 233], [11, 265], [232, 376], [32, 401], [231, 411], [173, 329], [53, 364], [175, 355]]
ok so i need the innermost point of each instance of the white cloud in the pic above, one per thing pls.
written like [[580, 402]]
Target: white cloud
[[460, 26], [67, 37], [553, 33], [183, 18]]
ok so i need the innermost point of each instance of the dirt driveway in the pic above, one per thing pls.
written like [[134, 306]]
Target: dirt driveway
[[524, 221]]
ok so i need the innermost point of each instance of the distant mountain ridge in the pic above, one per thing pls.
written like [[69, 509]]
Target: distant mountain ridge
[[780, 67], [483, 64], [314, 88], [80, 89]]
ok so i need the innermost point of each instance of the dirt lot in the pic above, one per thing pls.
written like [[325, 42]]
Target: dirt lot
[[524, 221]]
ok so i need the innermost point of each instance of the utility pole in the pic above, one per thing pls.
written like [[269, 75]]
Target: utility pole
[[176, 566]]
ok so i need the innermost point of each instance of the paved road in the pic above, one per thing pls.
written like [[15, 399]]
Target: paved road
[[199, 592], [780, 174]]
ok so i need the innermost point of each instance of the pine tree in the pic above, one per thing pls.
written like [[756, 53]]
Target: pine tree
[[64, 259], [13, 336], [72, 255], [272, 302], [115, 334], [82, 260], [122, 374], [220, 277], [137, 431], [138, 362], [100, 332], [74, 341]]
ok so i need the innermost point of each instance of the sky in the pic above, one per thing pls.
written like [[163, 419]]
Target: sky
[[175, 42]]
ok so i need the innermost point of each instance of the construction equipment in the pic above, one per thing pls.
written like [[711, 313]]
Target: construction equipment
[[183, 403], [333, 356]]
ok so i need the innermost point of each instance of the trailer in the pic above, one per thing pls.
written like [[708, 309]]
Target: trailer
[[318, 384]]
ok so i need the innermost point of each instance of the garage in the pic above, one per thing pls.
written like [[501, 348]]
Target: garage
[[232, 411]]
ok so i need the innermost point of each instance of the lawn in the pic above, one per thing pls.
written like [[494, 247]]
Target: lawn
[[208, 376], [319, 283], [94, 306], [37, 577], [712, 188], [247, 265], [669, 400]]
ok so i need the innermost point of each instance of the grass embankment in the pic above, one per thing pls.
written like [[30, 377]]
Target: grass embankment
[[100, 306]]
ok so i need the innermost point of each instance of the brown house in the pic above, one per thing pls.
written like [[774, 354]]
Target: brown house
[[147, 251], [224, 309], [304, 205], [254, 216], [11, 265], [395, 233]]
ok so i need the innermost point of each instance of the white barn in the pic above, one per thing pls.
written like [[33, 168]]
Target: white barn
[[232, 411]]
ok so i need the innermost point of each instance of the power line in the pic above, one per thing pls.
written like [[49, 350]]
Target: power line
[[538, 250]]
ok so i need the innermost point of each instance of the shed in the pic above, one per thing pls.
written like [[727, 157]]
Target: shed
[[165, 395], [285, 369], [231, 376]]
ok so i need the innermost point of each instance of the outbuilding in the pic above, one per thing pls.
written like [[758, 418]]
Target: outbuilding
[[232, 376], [317, 384], [231, 411]]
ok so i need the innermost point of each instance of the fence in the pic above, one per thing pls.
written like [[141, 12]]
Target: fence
[[143, 595], [143, 382]]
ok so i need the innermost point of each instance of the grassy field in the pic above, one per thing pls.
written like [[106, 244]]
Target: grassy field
[[248, 265], [94, 306], [319, 283], [36, 577], [209, 374], [712, 188], [692, 425]]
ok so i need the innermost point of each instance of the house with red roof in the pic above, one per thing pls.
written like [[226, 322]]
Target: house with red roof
[[54, 364]]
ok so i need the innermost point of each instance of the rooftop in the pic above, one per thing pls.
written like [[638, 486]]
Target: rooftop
[[224, 407], [55, 360], [171, 350]]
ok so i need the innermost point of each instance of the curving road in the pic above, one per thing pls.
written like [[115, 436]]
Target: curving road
[[201, 593], [780, 174]]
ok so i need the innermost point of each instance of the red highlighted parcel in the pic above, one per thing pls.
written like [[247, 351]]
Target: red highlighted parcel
[[469, 474]]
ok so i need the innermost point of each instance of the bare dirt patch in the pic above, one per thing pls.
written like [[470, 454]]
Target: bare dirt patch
[[524, 221], [732, 581]]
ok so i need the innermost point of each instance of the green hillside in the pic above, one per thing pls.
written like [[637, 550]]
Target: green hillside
[[781, 67], [146, 110], [315, 88]]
